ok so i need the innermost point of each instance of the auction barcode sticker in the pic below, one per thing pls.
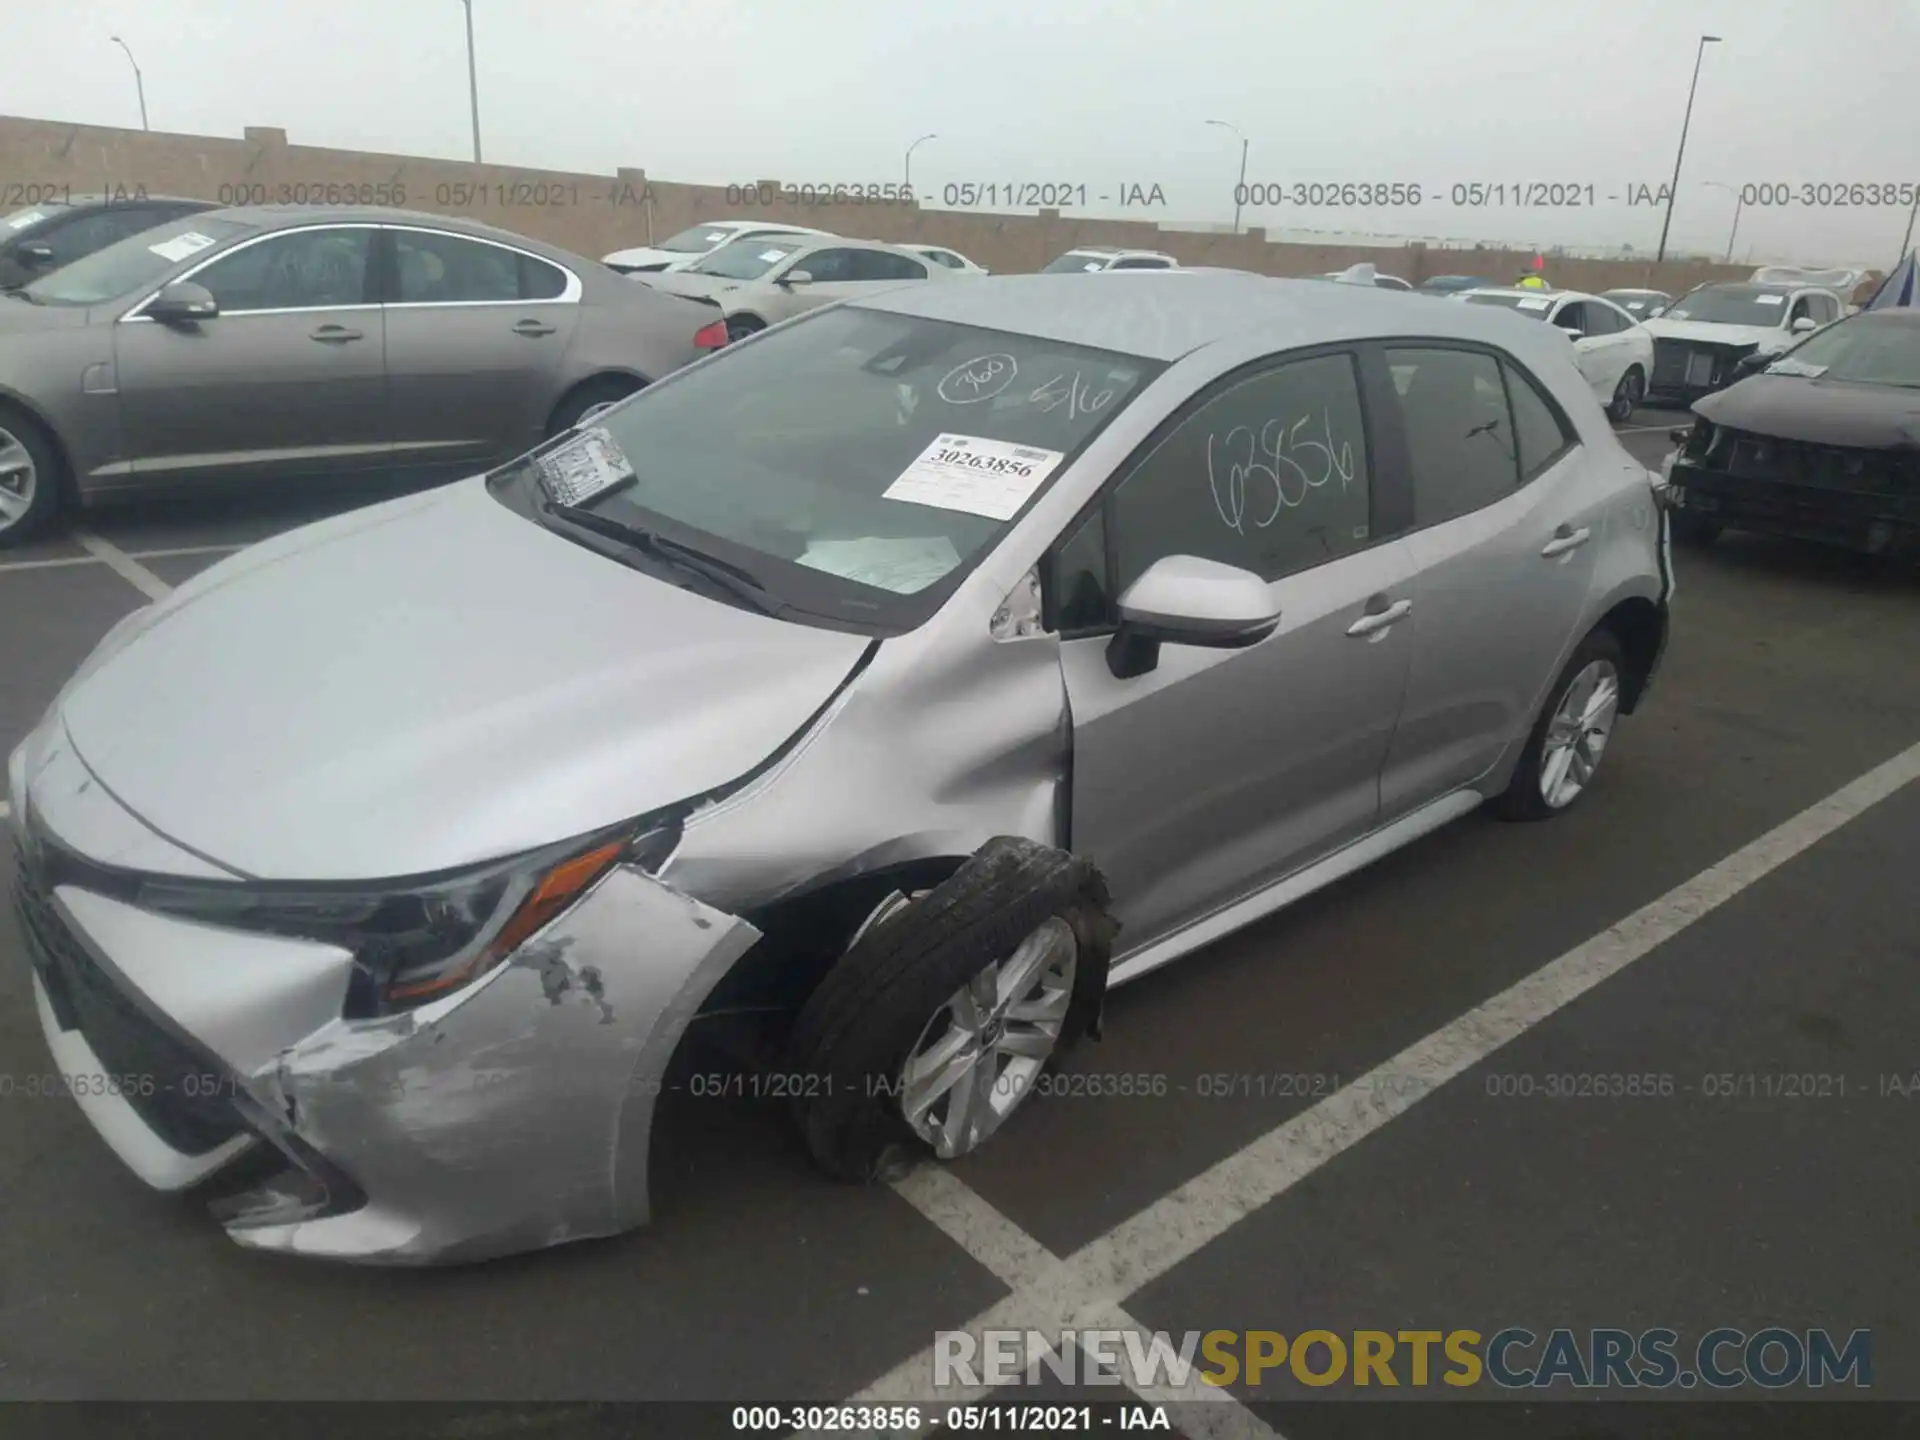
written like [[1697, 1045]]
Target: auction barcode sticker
[[976, 475], [589, 464]]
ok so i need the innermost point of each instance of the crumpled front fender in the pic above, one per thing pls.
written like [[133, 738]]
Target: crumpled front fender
[[516, 1114]]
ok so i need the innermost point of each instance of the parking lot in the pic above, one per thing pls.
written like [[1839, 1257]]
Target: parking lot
[[1770, 893]]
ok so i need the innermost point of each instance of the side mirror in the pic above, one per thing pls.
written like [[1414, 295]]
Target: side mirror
[[1753, 364], [37, 257], [797, 277], [1185, 600], [1804, 324], [183, 303]]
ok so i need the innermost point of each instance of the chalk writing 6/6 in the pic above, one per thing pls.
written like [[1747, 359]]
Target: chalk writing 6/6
[[1267, 457], [1072, 393], [980, 378], [994, 464]]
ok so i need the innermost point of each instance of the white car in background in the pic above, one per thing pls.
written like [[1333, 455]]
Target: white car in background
[[677, 252], [1612, 349], [1091, 259], [952, 259], [1365, 274], [1722, 331]]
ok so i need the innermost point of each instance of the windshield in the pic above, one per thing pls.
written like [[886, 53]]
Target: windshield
[[1862, 350], [21, 219], [857, 460], [1074, 262], [1535, 305], [697, 241], [1730, 305], [745, 259], [132, 264], [1634, 302]]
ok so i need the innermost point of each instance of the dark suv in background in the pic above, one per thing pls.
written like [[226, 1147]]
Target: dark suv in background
[[42, 238]]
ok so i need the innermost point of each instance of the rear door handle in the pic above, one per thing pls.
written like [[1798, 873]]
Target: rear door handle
[[1564, 539], [533, 327], [334, 335], [1375, 621]]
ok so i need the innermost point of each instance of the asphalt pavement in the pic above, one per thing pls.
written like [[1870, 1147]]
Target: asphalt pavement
[[1763, 1174]]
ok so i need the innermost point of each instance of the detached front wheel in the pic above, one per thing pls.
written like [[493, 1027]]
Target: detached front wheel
[[933, 1027]]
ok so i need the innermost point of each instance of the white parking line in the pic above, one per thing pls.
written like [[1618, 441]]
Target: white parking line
[[1085, 1290], [186, 550], [123, 565], [6, 809], [55, 563]]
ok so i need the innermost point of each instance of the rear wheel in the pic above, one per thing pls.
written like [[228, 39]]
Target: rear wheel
[[30, 477], [1563, 752], [1627, 395], [583, 402], [739, 327]]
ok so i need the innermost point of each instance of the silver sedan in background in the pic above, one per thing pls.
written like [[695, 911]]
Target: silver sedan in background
[[269, 344]]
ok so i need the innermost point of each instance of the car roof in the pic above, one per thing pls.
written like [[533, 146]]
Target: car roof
[[757, 225], [291, 217], [1529, 291], [1161, 317], [78, 202], [1629, 290], [1115, 251]]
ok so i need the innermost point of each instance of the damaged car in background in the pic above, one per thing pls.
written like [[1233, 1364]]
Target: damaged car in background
[[1823, 445], [882, 681], [1721, 331]]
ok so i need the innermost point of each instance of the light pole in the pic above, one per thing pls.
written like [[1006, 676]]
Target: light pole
[[473, 82], [138, 84], [1239, 190], [1698, 55], [907, 171], [1904, 244], [1739, 203]]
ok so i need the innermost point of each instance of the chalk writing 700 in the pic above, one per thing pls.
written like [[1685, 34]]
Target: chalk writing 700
[[978, 379], [1248, 455]]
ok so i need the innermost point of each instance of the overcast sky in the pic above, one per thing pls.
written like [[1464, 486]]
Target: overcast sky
[[1065, 91]]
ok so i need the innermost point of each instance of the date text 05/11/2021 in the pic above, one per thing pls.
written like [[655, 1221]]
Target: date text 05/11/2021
[[961, 195]]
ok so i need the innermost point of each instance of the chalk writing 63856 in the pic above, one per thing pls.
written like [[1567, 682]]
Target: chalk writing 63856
[[1272, 469]]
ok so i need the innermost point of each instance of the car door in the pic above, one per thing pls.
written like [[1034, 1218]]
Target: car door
[[1611, 337], [288, 379], [1589, 350], [1503, 553], [476, 331], [1220, 771]]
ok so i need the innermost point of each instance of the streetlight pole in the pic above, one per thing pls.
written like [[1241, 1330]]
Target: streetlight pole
[[1698, 55], [139, 84], [1739, 203], [907, 165], [473, 82], [1908, 241], [1239, 190]]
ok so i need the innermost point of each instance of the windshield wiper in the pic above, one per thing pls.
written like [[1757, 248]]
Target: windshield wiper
[[735, 580]]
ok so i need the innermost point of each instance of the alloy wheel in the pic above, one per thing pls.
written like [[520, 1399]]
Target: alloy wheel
[[19, 480], [979, 1054], [1577, 735]]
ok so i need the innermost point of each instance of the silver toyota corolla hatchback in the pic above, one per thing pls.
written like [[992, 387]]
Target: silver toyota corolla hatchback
[[907, 674]]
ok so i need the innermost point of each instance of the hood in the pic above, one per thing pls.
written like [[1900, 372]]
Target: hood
[[1701, 332], [1825, 412], [647, 255], [430, 683]]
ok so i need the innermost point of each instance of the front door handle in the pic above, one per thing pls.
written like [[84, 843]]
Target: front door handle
[[1374, 621], [1564, 539], [334, 335], [533, 327]]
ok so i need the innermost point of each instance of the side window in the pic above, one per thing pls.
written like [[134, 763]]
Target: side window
[[1270, 474], [76, 238], [879, 265], [303, 269], [1573, 317], [436, 269], [1802, 309], [1603, 319], [1140, 262], [828, 267], [1825, 308], [1080, 597], [539, 280], [1542, 435], [1459, 434], [946, 258]]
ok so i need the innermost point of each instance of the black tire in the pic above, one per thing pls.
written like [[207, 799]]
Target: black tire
[[582, 398], [855, 1031], [739, 327], [1695, 530], [1627, 396], [50, 479], [1522, 800]]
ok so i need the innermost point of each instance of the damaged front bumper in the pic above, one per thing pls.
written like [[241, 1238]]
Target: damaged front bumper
[[512, 1115]]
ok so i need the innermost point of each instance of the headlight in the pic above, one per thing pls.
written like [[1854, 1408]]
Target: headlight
[[415, 943]]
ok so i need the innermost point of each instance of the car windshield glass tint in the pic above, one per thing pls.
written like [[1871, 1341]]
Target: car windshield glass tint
[[1074, 261], [1535, 305], [859, 457], [1866, 352], [697, 241], [134, 263], [1730, 305], [745, 259]]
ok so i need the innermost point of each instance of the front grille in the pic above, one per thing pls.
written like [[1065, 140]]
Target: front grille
[[1827, 467], [189, 1105], [1678, 365]]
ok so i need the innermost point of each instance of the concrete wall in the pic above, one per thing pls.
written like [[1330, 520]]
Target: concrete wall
[[594, 214]]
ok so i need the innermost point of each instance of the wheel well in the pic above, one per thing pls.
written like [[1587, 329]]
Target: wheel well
[[803, 935], [605, 380], [64, 479], [1640, 627], [748, 316]]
